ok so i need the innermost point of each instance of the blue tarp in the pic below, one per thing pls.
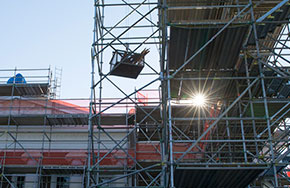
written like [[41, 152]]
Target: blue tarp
[[18, 79]]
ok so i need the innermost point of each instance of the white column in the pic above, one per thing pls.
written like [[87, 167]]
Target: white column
[[75, 181], [53, 181], [31, 181]]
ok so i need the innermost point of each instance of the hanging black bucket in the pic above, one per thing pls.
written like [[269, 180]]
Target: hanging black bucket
[[127, 64]]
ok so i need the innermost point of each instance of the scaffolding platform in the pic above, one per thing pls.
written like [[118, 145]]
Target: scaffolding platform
[[33, 89], [217, 176], [220, 15], [262, 30], [64, 119]]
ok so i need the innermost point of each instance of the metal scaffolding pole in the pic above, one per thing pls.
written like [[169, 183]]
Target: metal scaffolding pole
[[263, 90], [108, 37], [229, 129]]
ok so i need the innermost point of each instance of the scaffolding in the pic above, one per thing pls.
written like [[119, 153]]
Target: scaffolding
[[233, 51], [31, 123]]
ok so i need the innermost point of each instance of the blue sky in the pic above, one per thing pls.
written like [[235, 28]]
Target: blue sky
[[37, 33]]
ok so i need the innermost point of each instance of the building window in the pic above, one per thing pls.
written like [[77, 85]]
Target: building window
[[62, 182], [20, 181], [45, 182]]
